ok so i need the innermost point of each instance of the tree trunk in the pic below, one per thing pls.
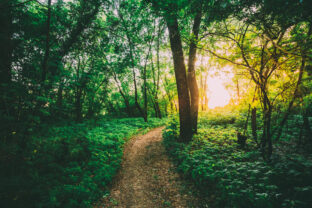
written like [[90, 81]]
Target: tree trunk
[[254, 124], [6, 51], [247, 120], [269, 137], [237, 89], [158, 108], [126, 101], [5, 42], [59, 102], [145, 94], [127, 104], [78, 105], [180, 74], [145, 81], [192, 83], [78, 92], [266, 141], [158, 70], [296, 92], [137, 105], [156, 112], [47, 44]]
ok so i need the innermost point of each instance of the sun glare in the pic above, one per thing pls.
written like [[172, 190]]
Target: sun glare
[[218, 95]]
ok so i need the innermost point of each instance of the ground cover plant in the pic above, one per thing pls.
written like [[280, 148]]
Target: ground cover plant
[[235, 176], [67, 166]]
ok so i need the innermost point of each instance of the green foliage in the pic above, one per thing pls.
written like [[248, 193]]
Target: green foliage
[[239, 177], [80, 60], [67, 166]]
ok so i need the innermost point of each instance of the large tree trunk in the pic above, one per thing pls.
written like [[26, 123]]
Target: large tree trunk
[[180, 74], [6, 51], [192, 83], [266, 140], [5, 42]]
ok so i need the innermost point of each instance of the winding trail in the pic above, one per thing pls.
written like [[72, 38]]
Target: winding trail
[[147, 178]]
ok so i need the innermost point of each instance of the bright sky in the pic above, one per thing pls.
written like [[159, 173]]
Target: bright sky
[[218, 95]]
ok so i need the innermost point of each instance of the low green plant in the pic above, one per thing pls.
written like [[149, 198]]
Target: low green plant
[[239, 177], [68, 166]]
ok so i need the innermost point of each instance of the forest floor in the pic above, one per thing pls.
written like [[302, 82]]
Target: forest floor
[[147, 177]]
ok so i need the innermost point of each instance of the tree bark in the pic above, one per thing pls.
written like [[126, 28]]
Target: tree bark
[[136, 102], [59, 102], [47, 44], [254, 124], [6, 52], [145, 81], [266, 140], [158, 72], [145, 93], [126, 101], [181, 81], [78, 105], [192, 83]]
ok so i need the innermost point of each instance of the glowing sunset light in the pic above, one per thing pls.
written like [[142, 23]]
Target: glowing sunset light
[[218, 95]]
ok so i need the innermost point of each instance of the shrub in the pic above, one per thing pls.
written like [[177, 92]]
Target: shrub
[[68, 166], [239, 177]]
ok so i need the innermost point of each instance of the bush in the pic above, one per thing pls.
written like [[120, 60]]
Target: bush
[[68, 166], [239, 177]]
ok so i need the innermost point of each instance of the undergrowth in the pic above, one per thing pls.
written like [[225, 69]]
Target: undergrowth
[[237, 177], [66, 166]]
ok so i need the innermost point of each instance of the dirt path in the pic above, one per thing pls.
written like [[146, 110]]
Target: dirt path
[[147, 177]]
